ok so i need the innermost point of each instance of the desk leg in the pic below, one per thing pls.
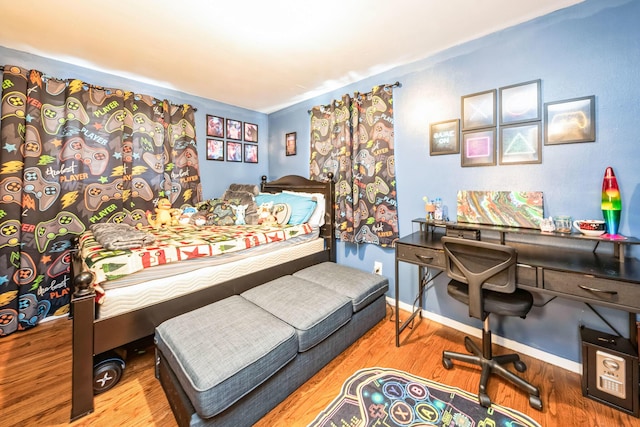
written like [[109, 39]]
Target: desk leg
[[397, 290], [422, 284]]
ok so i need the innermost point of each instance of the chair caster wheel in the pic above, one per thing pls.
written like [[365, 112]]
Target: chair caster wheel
[[484, 400], [107, 371], [520, 366], [535, 402], [447, 363]]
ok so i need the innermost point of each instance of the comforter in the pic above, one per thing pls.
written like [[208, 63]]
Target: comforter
[[179, 243]]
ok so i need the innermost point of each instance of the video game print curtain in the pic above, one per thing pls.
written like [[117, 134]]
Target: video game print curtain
[[353, 139], [72, 155]]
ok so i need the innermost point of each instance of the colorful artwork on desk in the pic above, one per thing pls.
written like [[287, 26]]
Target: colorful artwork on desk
[[507, 208]]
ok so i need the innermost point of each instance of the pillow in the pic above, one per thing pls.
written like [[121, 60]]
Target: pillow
[[282, 212], [317, 217], [301, 206], [250, 188], [220, 213], [243, 198]]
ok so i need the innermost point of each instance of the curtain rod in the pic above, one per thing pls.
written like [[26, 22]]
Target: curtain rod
[[100, 87], [396, 84]]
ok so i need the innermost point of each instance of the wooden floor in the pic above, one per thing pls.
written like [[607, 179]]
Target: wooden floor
[[35, 384]]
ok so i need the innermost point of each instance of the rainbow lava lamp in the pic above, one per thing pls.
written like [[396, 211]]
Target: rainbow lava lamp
[[611, 202]]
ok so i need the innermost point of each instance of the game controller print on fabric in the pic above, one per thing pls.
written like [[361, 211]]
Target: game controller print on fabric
[[353, 138], [46, 192], [11, 188], [142, 124], [96, 158], [56, 116], [32, 146], [73, 155], [65, 223], [13, 105]]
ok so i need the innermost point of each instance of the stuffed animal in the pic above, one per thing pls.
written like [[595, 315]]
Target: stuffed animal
[[264, 211], [165, 215], [186, 213], [240, 211], [270, 221], [199, 218]]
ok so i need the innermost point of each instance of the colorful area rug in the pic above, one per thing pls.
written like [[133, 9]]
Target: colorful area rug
[[387, 397]]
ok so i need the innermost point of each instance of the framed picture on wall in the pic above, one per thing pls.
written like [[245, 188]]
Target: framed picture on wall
[[479, 110], [250, 153], [571, 120], [234, 151], [521, 143], [215, 126], [234, 130], [250, 132], [520, 103], [290, 144], [444, 137], [215, 149], [479, 148]]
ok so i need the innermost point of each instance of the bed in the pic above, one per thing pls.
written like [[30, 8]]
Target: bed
[[99, 329]]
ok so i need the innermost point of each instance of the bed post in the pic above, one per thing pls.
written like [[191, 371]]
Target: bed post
[[83, 309], [331, 217]]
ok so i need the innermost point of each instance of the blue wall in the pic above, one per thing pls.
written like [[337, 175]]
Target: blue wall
[[216, 176], [588, 49]]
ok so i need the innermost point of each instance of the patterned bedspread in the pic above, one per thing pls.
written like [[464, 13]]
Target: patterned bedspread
[[179, 243]]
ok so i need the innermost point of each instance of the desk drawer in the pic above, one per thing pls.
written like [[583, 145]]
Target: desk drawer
[[422, 256], [527, 275], [591, 288]]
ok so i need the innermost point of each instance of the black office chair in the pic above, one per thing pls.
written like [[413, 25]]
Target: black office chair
[[484, 278]]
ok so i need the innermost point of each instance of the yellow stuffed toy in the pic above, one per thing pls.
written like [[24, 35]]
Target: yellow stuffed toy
[[165, 215]]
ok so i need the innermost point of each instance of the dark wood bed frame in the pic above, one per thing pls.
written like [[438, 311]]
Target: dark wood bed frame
[[93, 336]]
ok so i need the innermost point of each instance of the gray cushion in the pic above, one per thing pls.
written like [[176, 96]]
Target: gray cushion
[[359, 286], [222, 351], [313, 310]]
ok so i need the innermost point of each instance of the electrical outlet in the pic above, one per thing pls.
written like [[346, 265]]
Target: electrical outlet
[[377, 267]]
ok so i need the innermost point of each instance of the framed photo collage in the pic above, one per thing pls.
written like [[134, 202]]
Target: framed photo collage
[[504, 126], [231, 140]]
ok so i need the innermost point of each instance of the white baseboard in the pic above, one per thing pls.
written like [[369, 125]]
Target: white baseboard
[[561, 362]]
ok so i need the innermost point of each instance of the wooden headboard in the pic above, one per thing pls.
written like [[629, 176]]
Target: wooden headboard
[[303, 185]]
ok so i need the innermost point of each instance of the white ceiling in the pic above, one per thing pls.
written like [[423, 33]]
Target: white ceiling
[[258, 54]]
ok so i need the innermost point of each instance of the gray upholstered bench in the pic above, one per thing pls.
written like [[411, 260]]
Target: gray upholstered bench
[[231, 362]]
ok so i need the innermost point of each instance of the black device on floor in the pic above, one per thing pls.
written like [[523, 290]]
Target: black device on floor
[[610, 370]]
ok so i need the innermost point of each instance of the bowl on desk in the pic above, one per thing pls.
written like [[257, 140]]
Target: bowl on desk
[[590, 227]]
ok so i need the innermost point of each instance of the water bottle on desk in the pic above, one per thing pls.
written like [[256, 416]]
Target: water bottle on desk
[[438, 216]]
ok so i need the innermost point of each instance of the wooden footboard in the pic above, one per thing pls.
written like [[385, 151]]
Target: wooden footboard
[[93, 336]]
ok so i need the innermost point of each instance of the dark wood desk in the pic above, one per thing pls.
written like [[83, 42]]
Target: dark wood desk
[[572, 267]]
